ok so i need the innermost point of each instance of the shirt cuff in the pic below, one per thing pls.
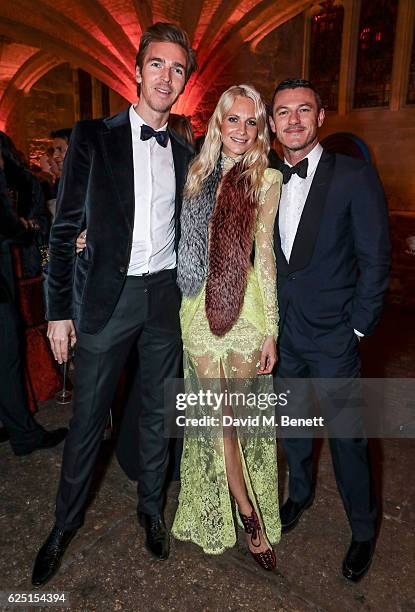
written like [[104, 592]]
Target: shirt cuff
[[358, 333]]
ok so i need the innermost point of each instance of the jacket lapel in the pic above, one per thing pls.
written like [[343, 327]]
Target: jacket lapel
[[118, 155], [282, 264], [180, 160], [310, 221]]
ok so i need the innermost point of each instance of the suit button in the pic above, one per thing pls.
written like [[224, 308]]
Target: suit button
[[292, 277], [122, 269]]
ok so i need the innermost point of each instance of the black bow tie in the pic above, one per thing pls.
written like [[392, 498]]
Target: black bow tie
[[300, 169], [148, 132]]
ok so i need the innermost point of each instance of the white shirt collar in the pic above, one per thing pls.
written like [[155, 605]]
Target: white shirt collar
[[313, 158], [137, 121]]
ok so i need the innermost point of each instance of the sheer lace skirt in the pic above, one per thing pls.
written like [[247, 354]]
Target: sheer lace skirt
[[205, 514]]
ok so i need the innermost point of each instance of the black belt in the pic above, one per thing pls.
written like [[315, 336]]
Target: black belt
[[160, 275]]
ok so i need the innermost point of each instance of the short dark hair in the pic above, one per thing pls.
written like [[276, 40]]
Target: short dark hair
[[64, 133], [294, 84], [166, 32]]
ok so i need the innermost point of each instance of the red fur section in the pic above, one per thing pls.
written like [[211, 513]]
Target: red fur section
[[230, 246]]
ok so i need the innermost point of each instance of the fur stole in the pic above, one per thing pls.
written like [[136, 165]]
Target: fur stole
[[192, 255], [230, 247], [232, 221]]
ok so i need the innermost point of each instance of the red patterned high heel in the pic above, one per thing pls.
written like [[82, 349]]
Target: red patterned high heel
[[252, 526]]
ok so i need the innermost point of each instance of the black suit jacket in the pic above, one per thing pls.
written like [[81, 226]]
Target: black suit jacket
[[338, 270], [96, 191]]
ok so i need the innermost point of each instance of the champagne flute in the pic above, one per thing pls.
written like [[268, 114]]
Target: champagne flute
[[64, 396]]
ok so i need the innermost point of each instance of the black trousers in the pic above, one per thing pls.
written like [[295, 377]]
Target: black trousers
[[341, 406], [147, 317], [23, 430]]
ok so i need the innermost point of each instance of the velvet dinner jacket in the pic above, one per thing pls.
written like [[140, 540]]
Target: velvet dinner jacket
[[96, 191], [338, 270]]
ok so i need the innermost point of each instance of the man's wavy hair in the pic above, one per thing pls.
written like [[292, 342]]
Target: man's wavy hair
[[166, 32], [254, 162]]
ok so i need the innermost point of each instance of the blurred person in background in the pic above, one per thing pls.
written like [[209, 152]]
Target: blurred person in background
[[19, 427], [52, 164], [29, 204], [60, 146]]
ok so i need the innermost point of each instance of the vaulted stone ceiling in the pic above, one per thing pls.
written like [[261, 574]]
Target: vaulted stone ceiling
[[101, 36]]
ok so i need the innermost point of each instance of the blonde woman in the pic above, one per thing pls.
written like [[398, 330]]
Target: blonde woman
[[229, 316]]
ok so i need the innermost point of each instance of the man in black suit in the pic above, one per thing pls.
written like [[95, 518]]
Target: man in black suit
[[19, 426], [333, 257], [122, 179]]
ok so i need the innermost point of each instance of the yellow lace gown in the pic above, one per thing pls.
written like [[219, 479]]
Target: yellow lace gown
[[205, 513]]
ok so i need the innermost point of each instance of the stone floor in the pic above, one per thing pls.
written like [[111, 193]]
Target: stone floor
[[107, 568]]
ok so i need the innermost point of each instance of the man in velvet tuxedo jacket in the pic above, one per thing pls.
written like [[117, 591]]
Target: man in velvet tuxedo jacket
[[122, 179], [333, 255]]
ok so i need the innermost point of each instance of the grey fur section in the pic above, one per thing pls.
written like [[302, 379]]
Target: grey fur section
[[192, 257]]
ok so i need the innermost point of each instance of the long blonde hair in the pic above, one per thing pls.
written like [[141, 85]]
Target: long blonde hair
[[254, 162]]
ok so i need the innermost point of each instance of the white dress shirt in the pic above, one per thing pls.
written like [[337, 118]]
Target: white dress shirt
[[154, 192], [293, 197]]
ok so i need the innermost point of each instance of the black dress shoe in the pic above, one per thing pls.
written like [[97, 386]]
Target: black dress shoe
[[358, 559], [49, 440], [157, 536], [291, 511], [50, 555]]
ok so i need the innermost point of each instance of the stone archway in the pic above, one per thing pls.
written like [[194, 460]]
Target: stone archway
[[101, 37]]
